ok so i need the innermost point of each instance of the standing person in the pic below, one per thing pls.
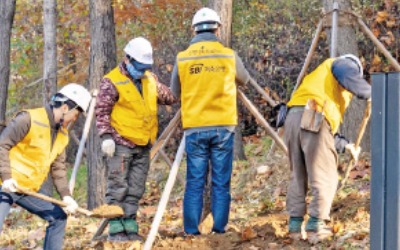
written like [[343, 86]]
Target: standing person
[[126, 113], [204, 78], [316, 110], [31, 146]]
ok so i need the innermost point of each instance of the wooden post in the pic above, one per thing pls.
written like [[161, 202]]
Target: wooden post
[[165, 196], [261, 120]]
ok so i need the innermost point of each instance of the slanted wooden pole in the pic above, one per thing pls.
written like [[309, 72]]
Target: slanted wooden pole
[[378, 44], [311, 51], [82, 143], [262, 92], [165, 196], [165, 135], [260, 119]]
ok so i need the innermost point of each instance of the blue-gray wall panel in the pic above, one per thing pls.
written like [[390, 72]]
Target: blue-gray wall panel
[[378, 120], [392, 206]]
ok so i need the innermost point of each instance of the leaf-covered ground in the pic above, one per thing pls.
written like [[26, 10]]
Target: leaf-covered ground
[[258, 219]]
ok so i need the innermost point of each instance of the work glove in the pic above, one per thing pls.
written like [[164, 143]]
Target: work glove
[[10, 185], [71, 204], [353, 150], [108, 147]]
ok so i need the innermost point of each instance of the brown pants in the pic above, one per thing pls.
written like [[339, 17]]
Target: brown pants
[[313, 161]]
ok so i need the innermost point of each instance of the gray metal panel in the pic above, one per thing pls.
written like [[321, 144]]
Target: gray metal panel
[[392, 204], [378, 119]]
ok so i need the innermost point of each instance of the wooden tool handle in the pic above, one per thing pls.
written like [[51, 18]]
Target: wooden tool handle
[[52, 200]]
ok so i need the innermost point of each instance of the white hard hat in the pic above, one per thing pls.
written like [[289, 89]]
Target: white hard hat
[[140, 49], [206, 16], [77, 93], [355, 60]]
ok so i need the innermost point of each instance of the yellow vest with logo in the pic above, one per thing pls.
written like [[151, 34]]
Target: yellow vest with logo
[[134, 116], [322, 86], [207, 73], [31, 158]]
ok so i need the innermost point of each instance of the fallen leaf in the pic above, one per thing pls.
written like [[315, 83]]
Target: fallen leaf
[[207, 224], [248, 233], [263, 169], [381, 16]]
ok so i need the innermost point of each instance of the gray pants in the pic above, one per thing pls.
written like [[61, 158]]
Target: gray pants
[[127, 174], [313, 161]]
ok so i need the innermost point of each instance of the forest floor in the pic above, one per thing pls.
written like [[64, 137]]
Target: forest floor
[[257, 221]]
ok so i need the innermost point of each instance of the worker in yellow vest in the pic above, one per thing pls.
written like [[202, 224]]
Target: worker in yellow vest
[[204, 78], [32, 146], [316, 110], [126, 113]]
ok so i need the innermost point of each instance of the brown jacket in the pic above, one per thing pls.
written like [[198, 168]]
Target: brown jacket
[[16, 130]]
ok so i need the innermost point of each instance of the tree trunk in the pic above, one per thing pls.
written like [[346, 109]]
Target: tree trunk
[[224, 9], [49, 66], [50, 50], [102, 60], [347, 43], [7, 10]]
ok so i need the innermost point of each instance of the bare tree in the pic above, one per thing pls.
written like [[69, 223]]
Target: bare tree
[[347, 43], [7, 10], [50, 49], [102, 60]]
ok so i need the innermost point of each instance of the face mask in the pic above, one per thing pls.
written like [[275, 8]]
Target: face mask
[[136, 74]]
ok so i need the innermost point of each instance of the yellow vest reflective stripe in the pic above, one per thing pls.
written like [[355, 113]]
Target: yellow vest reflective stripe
[[323, 87], [31, 158], [207, 72], [134, 116]]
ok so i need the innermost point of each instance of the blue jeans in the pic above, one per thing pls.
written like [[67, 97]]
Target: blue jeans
[[214, 146], [53, 214]]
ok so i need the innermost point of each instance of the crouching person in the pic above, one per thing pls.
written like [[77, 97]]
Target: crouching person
[[31, 146]]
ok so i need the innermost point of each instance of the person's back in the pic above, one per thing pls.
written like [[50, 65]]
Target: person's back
[[204, 78]]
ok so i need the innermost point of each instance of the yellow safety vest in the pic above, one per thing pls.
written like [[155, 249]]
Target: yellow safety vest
[[322, 86], [31, 158], [207, 73], [134, 116]]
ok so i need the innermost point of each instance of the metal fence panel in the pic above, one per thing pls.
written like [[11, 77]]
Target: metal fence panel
[[385, 148]]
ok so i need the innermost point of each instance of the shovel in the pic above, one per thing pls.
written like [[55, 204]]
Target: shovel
[[104, 211]]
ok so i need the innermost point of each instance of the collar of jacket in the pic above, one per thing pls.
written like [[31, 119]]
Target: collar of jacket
[[206, 36]]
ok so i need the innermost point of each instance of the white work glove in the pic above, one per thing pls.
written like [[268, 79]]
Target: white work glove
[[71, 204], [355, 152], [108, 147], [10, 185]]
